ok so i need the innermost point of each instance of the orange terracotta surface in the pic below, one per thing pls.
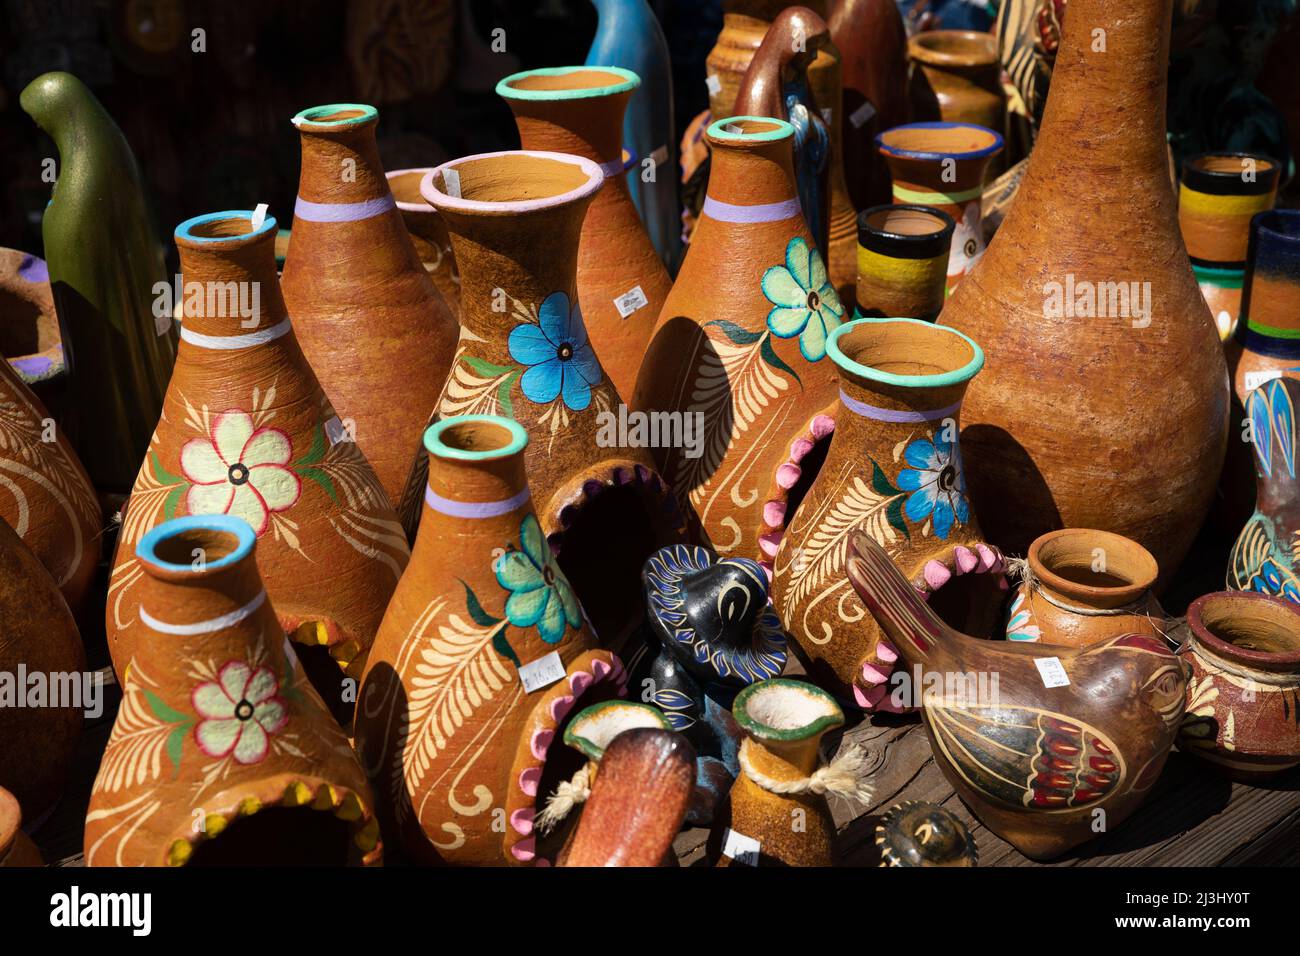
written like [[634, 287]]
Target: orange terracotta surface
[[428, 234]]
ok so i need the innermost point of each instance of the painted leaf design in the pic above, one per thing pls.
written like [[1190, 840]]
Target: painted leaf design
[[1261, 428], [1279, 400], [145, 731], [475, 387]]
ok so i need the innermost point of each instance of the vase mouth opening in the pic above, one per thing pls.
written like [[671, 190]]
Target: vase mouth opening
[[475, 438], [1093, 567], [1249, 628], [568, 83], [1278, 225], [939, 140], [405, 187], [781, 709], [910, 353], [232, 227], [197, 544], [335, 116], [749, 130], [595, 728], [511, 182], [910, 231], [954, 48]]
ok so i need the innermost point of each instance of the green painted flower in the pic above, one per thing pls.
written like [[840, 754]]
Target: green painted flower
[[539, 593], [805, 301]]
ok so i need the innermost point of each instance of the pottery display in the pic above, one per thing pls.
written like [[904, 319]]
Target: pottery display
[[1105, 282], [1267, 341], [106, 270], [222, 753], [944, 166], [43, 691], [922, 834], [1244, 694], [956, 77], [483, 656], [525, 352], [1080, 587], [30, 338], [777, 814], [1219, 195], [1064, 734], [902, 262], [738, 349], [247, 431], [16, 847], [895, 471], [622, 283], [628, 35], [364, 309], [428, 233]]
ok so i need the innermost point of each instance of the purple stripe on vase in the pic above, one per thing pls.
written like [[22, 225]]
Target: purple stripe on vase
[[765, 212], [473, 509], [895, 415], [342, 211], [33, 269]]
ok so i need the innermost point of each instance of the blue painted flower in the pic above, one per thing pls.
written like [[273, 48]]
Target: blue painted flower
[[540, 595], [806, 303], [936, 482], [561, 360]]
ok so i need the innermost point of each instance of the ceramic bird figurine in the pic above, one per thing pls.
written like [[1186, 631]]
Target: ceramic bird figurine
[[1048, 746], [916, 833]]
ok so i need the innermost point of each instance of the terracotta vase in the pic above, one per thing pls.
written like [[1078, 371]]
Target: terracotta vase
[[1242, 701], [1080, 587], [41, 664], [872, 42], [738, 350], [1267, 341], [105, 270], [902, 262], [1032, 302], [428, 234], [483, 656], [247, 431], [1048, 738], [622, 283], [222, 753], [525, 352], [916, 834], [366, 312], [956, 77], [1219, 195], [944, 166], [894, 470], [16, 848], [30, 338]]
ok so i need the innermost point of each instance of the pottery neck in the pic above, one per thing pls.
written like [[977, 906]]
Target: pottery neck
[[784, 722], [938, 164], [1091, 570], [340, 160], [1218, 196], [1241, 631], [902, 261], [1270, 299], [957, 61], [752, 166]]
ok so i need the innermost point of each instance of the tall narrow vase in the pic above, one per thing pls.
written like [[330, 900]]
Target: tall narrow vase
[[428, 233], [375, 330], [902, 262], [622, 283], [1131, 439]]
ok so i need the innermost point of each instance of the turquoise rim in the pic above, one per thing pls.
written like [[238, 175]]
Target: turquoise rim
[[955, 377], [309, 115], [630, 82], [147, 549], [783, 130], [585, 744], [186, 229], [740, 710], [434, 444]]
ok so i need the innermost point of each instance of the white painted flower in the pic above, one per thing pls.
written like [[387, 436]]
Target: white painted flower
[[241, 711], [240, 471]]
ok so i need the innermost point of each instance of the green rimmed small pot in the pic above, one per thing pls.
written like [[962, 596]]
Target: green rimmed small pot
[[594, 729]]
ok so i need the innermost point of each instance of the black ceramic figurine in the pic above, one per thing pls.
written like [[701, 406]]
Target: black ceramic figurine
[[915, 833]]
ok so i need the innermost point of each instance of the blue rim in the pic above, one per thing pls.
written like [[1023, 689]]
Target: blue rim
[[147, 549], [186, 229], [989, 150], [434, 444]]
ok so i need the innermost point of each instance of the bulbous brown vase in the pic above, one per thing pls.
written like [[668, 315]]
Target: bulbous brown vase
[[377, 333], [428, 233], [622, 283], [956, 78], [515, 220], [1105, 403], [483, 657], [738, 353], [247, 431], [222, 753], [16, 848], [41, 663]]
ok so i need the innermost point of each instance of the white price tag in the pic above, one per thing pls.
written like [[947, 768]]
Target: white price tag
[[733, 128], [659, 156], [336, 431], [451, 182], [862, 115], [259, 216], [1052, 672], [1255, 379], [714, 85], [828, 115], [630, 301], [542, 672], [740, 848]]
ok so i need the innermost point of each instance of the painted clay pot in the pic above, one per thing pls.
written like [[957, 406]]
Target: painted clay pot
[[366, 312], [739, 346], [222, 753], [894, 470], [483, 655], [956, 78], [45, 493], [16, 848], [872, 42], [902, 262], [628, 35], [428, 234], [622, 283], [1219, 195], [1263, 557], [1267, 341], [247, 431], [1035, 763], [41, 657], [921, 834], [30, 338], [1080, 587], [105, 269], [1041, 471], [524, 351], [637, 803], [944, 165], [1242, 701]]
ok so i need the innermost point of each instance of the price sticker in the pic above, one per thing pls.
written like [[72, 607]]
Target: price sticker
[[1052, 672], [451, 180], [1255, 379], [336, 431], [714, 85], [862, 115], [828, 115], [542, 672], [741, 849], [630, 301]]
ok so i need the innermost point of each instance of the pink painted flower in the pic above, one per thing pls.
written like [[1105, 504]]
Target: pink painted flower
[[240, 471], [241, 711]]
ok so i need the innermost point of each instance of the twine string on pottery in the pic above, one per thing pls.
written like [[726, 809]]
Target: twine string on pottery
[[843, 777], [569, 794]]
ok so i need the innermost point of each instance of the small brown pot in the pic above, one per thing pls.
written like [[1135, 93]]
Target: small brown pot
[[30, 337], [902, 262], [956, 77], [428, 233], [1245, 690], [16, 848]]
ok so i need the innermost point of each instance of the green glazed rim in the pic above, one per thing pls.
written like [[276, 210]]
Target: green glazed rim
[[434, 444], [585, 744], [740, 710], [718, 131], [955, 377], [630, 82], [308, 115]]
